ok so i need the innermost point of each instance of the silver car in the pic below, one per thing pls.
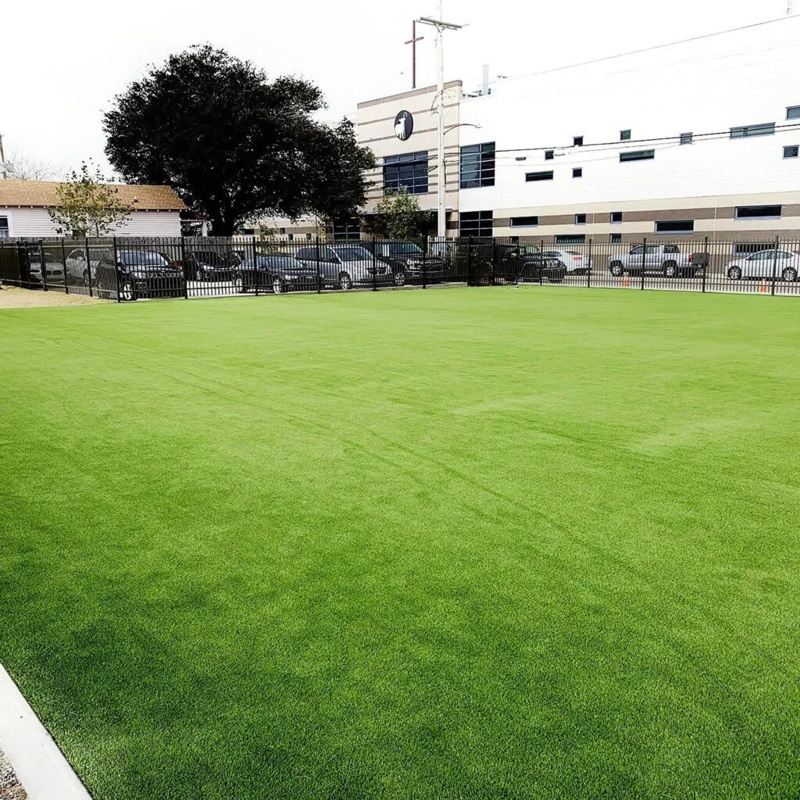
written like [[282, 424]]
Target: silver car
[[344, 266]]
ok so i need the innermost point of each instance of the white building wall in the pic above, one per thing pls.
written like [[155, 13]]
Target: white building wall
[[704, 87], [36, 222]]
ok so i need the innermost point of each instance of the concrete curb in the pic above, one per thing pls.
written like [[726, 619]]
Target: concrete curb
[[38, 763]]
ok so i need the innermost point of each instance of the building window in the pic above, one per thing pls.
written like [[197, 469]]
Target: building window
[[616, 217], [675, 226], [347, 230], [625, 135], [764, 129], [477, 223], [539, 176], [743, 248], [524, 222], [791, 151], [577, 141], [291, 237], [245, 232], [637, 155], [4, 231], [616, 238], [408, 171], [793, 112], [687, 138], [477, 165], [573, 239], [577, 172], [758, 212], [282, 230], [549, 155], [580, 219]]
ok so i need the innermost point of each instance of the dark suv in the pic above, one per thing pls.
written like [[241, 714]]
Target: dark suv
[[409, 263], [211, 265], [139, 273], [527, 263]]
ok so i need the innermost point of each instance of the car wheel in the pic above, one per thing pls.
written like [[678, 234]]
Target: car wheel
[[670, 270], [125, 290], [790, 274], [735, 273], [616, 269], [238, 284], [399, 278], [345, 282], [277, 286]]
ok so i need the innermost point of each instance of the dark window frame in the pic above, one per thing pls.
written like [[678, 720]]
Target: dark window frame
[[477, 165], [748, 131], [577, 141], [792, 112], [570, 239], [612, 220], [625, 135], [483, 227], [577, 172], [615, 238], [791, 151], [637, 155], [545, 175], [580, 219], [549, 155], [687, 138], [758, 212], [408, 171], [674, 226], [516, 222]]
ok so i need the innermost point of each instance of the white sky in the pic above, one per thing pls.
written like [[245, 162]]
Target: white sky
[[63, 62]]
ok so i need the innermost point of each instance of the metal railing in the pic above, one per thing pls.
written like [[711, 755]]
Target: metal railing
[[127, 268]]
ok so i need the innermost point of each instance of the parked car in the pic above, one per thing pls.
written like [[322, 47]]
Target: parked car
[[78, 270], [408, 261], [661, 259], [574, 263], [54, 269], [783, 264], [528, 264], [344, 266], [211, 265], [281, 273], [139, 273]]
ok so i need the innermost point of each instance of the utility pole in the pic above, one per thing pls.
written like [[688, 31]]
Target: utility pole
[[413, 42], [441, 27]]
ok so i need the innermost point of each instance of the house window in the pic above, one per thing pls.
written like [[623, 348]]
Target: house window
[[793, 112], [687, 138], [282, 230], [549, 155], [577, 141], [616, 238], [539, 176], [524, 222], [758, 212], [675, 226], [763, 129], [291, 237], [4, 231], [574, 239], [477, 165], [616, 217], [580, 219], [577, 172], [408, 171], [791, 151], [637, 155], [625, 135], [477, 223]]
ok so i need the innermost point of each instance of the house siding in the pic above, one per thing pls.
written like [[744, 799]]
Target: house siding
[[36, 223]]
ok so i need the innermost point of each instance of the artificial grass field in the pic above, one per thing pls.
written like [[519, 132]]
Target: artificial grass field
[[467, 543]]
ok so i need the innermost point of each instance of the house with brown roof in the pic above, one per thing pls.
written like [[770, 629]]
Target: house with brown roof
[[155, 210]]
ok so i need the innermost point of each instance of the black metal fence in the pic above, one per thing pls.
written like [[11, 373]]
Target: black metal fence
[[126, 269]]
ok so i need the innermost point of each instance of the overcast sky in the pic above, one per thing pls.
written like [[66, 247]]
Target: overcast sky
[[63, 63]]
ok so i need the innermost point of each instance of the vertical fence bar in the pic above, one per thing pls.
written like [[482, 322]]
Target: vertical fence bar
[[319, 274], [116, 265], [43, 263], [374, 267], [184, 270], [470, 279], [88, 264], [256, 270], [706, 262], [775, 264], [589, 267], [64, 265], [644, 260], [4, 274]]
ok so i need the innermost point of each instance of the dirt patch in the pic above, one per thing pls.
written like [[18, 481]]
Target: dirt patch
[[9, 785], [14, 297]]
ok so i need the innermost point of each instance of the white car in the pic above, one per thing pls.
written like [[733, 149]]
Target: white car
[[784, 264], [576, 263], [77, 271]]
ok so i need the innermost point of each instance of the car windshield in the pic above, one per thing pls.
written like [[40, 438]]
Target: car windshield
[[212, 259], [145, 259], [407, 249], [283, 262], [353, 254]]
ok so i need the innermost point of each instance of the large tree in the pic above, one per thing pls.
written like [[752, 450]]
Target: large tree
[[234, 145]]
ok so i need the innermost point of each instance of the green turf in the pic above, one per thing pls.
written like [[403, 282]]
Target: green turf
[[468, 543]]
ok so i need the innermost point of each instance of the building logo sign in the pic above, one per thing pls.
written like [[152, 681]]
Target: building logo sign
[[403, 125]]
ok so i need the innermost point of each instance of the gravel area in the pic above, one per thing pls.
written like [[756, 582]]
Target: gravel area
[[14, 297], [9, 786]]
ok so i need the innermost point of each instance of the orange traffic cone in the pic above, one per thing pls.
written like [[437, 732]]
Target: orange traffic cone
[[625, 282]]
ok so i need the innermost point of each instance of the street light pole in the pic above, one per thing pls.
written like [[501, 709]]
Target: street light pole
[[440, 182]]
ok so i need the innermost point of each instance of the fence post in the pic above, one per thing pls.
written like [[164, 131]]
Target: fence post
[[644, 259], [3, 262], [319, 276], [541, 262], [256, 271], [64, 265], [43, 263], [589, 268], [88, 264], [374, 266], [775, 264], [425, 271], [116, 266], [470, 280], [707, 260], [183, 268]]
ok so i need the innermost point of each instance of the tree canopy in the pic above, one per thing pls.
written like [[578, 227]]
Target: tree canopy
[[233, 145], [399, 216]]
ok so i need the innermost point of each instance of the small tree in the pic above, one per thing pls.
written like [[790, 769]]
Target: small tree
[[399, 216], [87, 205]]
